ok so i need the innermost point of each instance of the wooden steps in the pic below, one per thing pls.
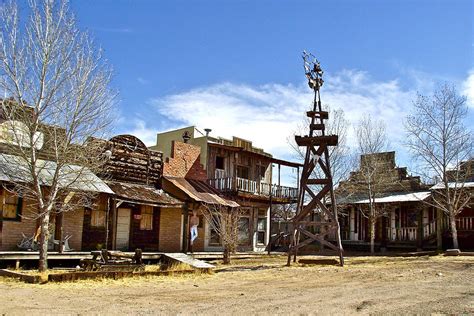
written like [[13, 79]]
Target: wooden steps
[[330, 140], [184, 258]]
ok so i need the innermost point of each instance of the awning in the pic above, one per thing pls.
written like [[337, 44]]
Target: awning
[[73, 177], [389, 198], [143, 194], [198, 191]]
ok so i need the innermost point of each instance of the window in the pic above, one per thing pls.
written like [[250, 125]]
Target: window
[[98, 215], [146, 219], [220, 163], [261, 228], [11, 206], [243, 231], [261, 171], [243, 172], [214, 238]]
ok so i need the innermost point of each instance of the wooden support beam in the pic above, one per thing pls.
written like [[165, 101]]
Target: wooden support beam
[[330, 140], [318, 181]]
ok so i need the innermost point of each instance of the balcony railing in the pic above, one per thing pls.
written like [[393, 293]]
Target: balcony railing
[[253, 187]]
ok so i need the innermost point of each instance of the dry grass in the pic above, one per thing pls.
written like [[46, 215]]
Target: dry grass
[[368, 285]]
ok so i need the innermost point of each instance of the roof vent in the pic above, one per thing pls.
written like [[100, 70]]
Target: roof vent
[[207, 130]]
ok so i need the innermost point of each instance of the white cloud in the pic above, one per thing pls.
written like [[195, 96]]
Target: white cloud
[[468, 88], [144, 133], [269, 114]]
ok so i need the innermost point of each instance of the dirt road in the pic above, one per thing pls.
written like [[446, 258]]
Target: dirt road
[[366, 285]]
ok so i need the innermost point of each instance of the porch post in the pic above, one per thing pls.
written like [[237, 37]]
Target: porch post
[[113, 214], [393, 225], [59, 222], [419, 233], [268, 233], [439, 229], [185, 227], [384, 233], [351, 223]]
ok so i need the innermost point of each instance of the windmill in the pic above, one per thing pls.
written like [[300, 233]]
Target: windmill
[[316, 216]]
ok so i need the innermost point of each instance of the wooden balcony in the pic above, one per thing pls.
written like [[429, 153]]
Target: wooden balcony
[[258, 189]]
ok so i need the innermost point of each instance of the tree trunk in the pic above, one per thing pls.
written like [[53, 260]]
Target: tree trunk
[[372, 234], [43, 246], [454, 230], [226, 257], [439, 229]]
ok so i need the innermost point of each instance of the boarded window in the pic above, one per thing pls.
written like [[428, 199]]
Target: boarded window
[[98, 214], [146, 220], [11, 205]]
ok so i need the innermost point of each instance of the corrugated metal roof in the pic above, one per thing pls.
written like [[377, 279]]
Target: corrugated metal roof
[[388, 198], [74, 177], [452, 185], [200, 191], [143, 194]]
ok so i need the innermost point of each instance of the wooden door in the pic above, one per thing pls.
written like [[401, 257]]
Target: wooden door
[[123, 228]]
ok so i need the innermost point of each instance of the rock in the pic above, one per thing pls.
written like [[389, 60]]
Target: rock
[[439, 274], [452, 252]]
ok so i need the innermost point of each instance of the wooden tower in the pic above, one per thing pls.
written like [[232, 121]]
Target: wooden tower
[[316, 215]]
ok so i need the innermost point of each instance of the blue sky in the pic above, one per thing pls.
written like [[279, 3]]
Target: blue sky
[[235, 66]]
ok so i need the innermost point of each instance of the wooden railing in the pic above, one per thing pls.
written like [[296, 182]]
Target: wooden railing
[[402, 233], [429, 229], [465, 223], [253, 187]]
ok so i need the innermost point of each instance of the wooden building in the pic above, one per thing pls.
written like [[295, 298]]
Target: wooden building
[[232, 168], [408, 221], [138, 214], [19, 218]]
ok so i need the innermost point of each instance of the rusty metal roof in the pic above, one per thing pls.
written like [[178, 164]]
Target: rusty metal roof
[[143, 194], [200, 191]]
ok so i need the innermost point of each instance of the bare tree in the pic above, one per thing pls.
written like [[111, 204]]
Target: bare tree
[[224, 221], [439, 141], [369, 181], [57, 83]]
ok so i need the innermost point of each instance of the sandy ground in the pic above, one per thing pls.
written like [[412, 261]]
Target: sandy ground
[[366, 285]]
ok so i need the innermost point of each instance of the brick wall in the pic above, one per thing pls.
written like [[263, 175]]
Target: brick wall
[[170, 230], [11, 231], [72, 225], [185, 162]]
